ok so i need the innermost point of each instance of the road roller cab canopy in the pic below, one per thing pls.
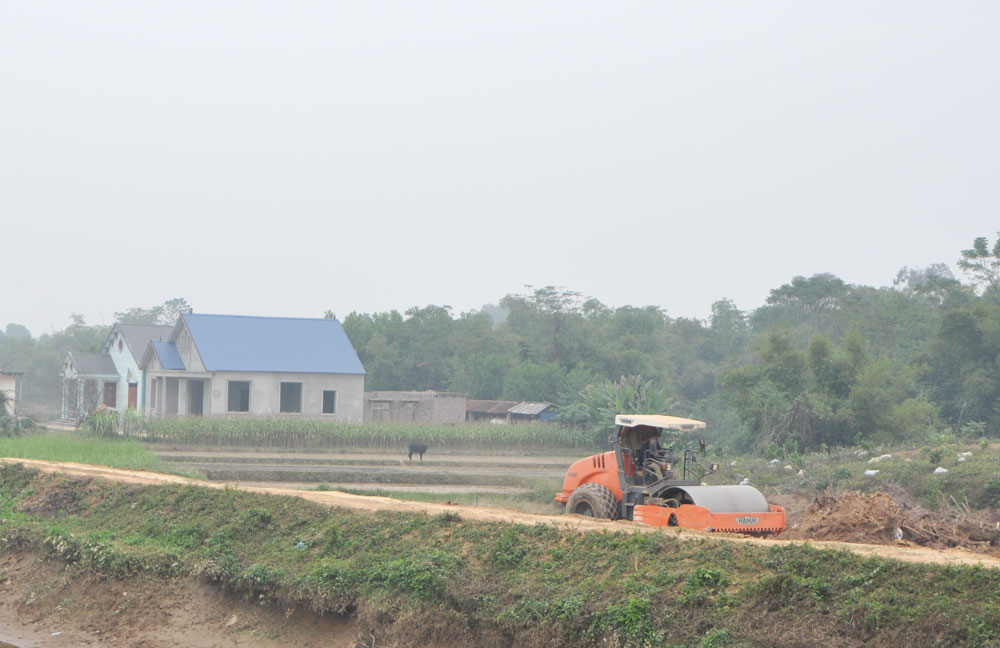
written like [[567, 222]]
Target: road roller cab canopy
[[661, 421], [634, 429]]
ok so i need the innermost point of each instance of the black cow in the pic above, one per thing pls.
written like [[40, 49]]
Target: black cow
[[418, 449]]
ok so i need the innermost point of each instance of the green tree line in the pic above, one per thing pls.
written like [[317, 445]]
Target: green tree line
[[821, 362]]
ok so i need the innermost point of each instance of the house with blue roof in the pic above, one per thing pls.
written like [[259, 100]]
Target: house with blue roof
[[234, 365]]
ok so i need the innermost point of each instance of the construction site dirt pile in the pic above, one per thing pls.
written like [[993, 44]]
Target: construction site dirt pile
[[882, 518]]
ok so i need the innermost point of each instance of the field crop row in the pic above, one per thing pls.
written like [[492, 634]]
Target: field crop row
[[299, 433]]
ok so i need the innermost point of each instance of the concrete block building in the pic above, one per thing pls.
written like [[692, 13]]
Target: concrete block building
[[415, 407], [230, 365]]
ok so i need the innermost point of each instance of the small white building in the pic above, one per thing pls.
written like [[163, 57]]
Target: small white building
[[231, 365], [111, 377]]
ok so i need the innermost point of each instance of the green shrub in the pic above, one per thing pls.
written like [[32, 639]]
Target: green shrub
[[993, 493], [258, 518], [933, 455], [633, 619], [934, 492], [100, 424], [133, 423], [508, 550], [709, 578], [715, 639]]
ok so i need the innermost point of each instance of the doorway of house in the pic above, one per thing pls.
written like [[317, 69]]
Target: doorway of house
[[196, 397], [110, 394]]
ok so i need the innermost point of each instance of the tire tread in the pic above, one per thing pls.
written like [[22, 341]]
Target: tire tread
[[602, 501]]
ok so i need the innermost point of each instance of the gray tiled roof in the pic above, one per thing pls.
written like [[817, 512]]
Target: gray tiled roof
[[137, 336], [93, 364]]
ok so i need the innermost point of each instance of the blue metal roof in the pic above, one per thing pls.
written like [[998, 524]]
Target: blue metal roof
[[285, 344], [167, 353]]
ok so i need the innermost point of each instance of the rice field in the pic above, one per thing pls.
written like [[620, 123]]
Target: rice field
[[526, 481], [503, 464]]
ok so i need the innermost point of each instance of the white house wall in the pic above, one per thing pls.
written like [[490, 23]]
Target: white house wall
[[8, 385], [265, 394], [69, 369], [152, 366], [124, 363]]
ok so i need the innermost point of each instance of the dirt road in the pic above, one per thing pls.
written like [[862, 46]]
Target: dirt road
[[488, 514]]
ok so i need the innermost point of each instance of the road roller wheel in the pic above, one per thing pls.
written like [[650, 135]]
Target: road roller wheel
[[593, 500]]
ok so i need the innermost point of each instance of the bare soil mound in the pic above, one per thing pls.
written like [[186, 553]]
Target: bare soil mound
[[43, 603], [891, 518], [65, 497]]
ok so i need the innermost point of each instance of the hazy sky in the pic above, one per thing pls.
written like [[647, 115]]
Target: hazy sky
[[284, 158]]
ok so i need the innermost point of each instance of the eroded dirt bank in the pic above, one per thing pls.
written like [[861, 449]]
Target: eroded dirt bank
[[915, 554], [45, 604]]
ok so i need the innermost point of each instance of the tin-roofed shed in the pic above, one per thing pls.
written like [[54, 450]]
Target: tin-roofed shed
[[509, 411]]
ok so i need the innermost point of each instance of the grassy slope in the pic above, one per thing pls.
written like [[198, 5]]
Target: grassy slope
[[420, 580], [536, 499], [102, 452]]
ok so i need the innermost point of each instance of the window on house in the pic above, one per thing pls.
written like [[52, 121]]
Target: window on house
[[239, 396], [381, 410], [329, 401], [291, 397], [120, 345], [111, 394]]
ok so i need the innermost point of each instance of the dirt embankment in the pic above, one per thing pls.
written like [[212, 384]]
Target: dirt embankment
[[41, 604], [863, 525]]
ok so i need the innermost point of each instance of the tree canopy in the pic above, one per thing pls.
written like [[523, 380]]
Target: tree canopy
[[822, 362], [164, 314]]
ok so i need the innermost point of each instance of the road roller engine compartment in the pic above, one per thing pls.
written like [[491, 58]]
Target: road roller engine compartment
[[644, 480]]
